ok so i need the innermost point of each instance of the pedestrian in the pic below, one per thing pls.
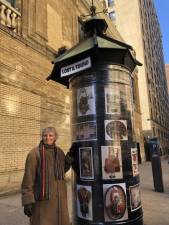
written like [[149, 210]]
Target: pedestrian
[[43, 189]]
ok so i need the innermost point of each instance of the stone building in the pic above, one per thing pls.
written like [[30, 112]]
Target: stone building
[[31, 32], [138, 24], [167, 75]]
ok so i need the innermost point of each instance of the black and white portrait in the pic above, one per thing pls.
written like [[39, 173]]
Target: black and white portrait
[[86, 163], [86, 101], [84, 131], [84, 202]]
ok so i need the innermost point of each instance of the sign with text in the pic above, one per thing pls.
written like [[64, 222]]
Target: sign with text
[[76, 67]]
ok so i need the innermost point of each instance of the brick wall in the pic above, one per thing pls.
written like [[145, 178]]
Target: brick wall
[[28, 103], [19, 128]]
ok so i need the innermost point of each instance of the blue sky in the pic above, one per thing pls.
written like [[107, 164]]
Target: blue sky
[[162, 8]]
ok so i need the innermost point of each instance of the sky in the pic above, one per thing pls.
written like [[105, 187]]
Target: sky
[[162, 8]]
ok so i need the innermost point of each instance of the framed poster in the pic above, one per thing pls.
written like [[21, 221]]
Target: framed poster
[[123, 98], [135, 197], [84, 202], [111, 162], [115, 202], [112, 99], [84, 131], [86, 163], [116, 130], [134, 160], [86, 101]]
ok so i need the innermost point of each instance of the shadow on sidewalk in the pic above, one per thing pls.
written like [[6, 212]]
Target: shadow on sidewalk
[[155, 204]]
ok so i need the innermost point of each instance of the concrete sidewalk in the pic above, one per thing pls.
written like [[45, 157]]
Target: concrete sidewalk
[[155, 205]]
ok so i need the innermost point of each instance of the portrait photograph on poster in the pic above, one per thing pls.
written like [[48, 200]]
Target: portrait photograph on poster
[[84, 202], [86, 163], [86, 101], [111, 162], [112, 99], [115, 202], [84, 131], [134, 160], [125, 98], [135, 197], [116, 130]]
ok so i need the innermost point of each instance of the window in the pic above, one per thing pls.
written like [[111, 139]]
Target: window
[[12, 2], [151, 114], [133, 85], [80, 30], [112, 15], [154, 133], [110, 3]]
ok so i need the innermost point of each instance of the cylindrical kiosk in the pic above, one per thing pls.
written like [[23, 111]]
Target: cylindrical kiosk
[[106, 178]]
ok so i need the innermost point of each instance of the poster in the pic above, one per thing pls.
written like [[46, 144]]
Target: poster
[[111, 162], [86, 163], [134, 160], [115, 202], [135, 197], [84, 202], [112, 100], [84, 131], [86, 101], [116, 130], [125, 98]]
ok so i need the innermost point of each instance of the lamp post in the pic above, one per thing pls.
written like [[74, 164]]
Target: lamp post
[[98, 72]]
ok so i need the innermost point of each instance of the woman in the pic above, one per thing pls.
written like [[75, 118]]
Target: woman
[[44, 194]]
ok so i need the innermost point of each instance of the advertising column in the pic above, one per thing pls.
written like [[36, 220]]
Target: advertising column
[[106, 187]]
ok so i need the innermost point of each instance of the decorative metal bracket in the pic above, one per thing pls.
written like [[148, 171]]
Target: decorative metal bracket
[[93, 11]]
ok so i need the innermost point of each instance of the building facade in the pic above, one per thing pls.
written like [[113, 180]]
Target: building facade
[[167, 75], [31, 33], [138, 24]]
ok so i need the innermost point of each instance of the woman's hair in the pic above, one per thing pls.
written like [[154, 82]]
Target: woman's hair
[[49, 129]]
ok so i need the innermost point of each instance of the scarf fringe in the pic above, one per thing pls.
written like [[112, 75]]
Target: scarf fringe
[[42, 183]]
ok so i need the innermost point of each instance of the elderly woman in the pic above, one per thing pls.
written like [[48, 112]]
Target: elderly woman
[[44, 195]]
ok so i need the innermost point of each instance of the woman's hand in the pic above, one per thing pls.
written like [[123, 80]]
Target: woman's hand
[[73, 149], [28, 210], [71, 156]]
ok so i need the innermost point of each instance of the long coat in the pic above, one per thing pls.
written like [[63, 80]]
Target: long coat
[[46, 212]]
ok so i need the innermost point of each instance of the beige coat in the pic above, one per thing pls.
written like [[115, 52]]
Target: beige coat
[[47, 212]]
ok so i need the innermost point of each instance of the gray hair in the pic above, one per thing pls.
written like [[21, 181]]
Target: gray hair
[[49, 129]]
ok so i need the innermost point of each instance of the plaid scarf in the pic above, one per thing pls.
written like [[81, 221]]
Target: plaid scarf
[[42, 183]]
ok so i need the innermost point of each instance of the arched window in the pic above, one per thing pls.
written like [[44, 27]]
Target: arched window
[[112, 15], [110, 3], [80, 31]]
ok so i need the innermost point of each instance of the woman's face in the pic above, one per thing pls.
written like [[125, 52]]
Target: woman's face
[[49, 138]]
